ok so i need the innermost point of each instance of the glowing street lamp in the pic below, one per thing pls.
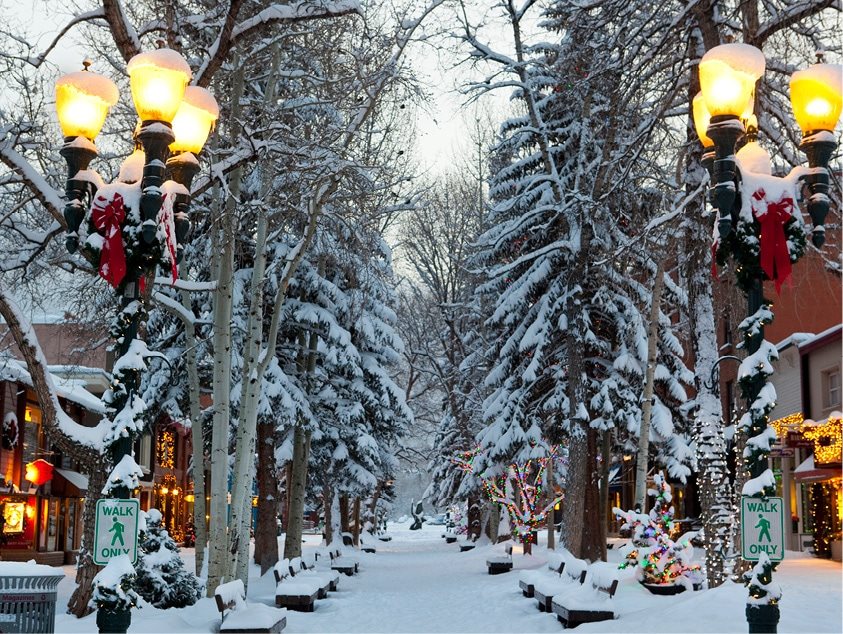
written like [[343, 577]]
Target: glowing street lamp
[[163, 101], [815, 94], [727, 76], [82, 102], [192, 124]]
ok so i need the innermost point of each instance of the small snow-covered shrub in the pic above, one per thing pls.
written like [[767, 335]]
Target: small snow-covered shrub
[[161, 577]]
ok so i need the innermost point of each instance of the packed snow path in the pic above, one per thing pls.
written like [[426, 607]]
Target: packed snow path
[[418, 583]]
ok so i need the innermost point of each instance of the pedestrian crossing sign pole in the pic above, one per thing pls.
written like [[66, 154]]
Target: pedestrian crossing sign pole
[[762, 528], [116, 530]]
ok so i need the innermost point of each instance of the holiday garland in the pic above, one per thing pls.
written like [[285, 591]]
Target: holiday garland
[[768, 233]]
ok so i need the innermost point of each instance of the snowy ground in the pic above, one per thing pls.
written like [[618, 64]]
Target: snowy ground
[[418, 583]]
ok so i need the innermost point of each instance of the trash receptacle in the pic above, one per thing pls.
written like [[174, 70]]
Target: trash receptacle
[[28, 597]]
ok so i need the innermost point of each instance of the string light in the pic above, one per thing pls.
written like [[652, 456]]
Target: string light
[[827, 438]]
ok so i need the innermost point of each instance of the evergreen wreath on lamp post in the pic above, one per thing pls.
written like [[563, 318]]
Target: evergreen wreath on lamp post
[[760, 228], [127, 230]]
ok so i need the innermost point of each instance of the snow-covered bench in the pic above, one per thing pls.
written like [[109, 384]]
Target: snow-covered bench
[[328, 578], [238, 616], [572, 578], [498, 564], [294, 593], [592, 602], [528, 578], [345, 565]]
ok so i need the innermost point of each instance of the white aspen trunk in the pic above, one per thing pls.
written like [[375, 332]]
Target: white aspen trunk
[[647, 405], [223, 298], [200, 528], [252, 379]]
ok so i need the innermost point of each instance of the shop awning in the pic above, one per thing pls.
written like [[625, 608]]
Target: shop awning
[[808, 472], [67, 483]]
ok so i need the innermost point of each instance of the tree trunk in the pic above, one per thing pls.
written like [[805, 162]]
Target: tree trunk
[[223, 299], [647, 404], [266, 531], [328, 505], [86, 569], [301, 450], [288, 478], [593, 545], [345, 526], [551, 515], [605, 463], [474, 519], [494, 522], [200, 527], [355, 536]]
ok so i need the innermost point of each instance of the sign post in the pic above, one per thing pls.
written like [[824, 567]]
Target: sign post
[[116, 530], [762, 528]]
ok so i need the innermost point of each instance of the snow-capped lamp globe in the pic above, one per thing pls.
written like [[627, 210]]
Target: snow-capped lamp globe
[[192, 125], [728, 74], [158, 79], [815, 94], [82, 102]]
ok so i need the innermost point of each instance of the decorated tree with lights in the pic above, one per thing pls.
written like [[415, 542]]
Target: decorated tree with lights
[[658, 559], [520, 491]]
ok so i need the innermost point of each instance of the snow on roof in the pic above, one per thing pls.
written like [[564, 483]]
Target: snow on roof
[[71, 389], [819, 335], [794, 339]]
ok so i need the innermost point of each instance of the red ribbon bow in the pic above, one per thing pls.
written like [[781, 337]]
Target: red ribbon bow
[[166, 219], [775, 256], [108, 217]]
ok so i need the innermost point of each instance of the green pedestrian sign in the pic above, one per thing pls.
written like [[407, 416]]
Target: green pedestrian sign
[[762, 528], [116, 530]]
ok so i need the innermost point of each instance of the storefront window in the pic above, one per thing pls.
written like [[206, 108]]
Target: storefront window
[[31, 436]]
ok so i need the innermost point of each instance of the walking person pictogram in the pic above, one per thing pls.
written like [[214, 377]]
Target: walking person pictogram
[[764, 525], [117, 528]]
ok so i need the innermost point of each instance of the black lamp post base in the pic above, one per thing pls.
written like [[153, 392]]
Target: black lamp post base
[[762, 618], [110, 622]]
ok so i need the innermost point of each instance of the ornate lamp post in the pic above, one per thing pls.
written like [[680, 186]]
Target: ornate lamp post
[[129, 228], [760, 227]]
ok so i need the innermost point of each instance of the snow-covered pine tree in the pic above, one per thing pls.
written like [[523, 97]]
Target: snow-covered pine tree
[[161, 578], [565, 203]]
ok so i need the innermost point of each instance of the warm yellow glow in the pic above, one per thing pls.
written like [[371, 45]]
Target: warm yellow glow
[[30, 511], [827, 439], [194, 120], [31, 472], [176, 492], [82, 103], [815, 96], [13, 515], [158, 79], [725, 90], [701, 120], [727, 78], [787, 423], [189, 497], [164, 490]]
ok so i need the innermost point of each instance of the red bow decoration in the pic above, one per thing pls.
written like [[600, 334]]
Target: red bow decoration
[[166, 219], [108, 217], [775, 256]]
